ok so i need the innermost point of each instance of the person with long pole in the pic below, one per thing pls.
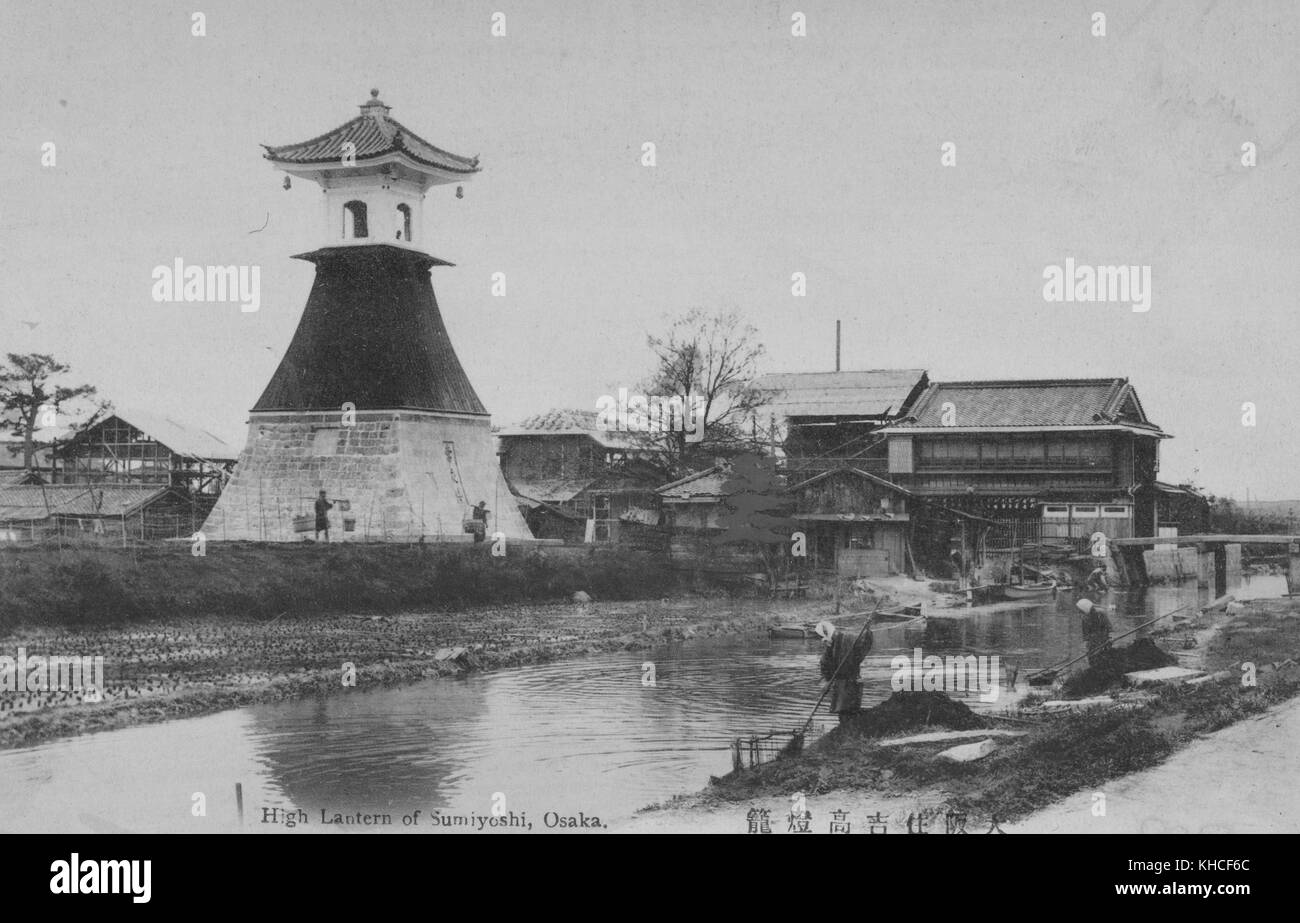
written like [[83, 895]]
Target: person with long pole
[[840, 665]]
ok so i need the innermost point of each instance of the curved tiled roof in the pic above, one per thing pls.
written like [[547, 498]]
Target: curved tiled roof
[[375, 135], [1072, 402]]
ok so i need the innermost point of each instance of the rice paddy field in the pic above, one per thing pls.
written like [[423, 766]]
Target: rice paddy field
[[158, 669]]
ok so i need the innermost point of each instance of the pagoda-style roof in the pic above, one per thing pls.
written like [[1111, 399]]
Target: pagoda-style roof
[[375, 136]]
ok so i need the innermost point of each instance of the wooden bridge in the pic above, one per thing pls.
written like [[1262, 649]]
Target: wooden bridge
[[1214, 559]]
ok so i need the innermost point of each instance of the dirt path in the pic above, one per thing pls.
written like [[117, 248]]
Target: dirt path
[[1241, 779]]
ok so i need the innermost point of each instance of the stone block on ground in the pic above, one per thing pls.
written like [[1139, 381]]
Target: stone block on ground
[[968, 753], [1163, 675], [940, 736]]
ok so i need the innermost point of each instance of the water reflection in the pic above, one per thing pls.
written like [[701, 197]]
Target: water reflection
[[577, 735]]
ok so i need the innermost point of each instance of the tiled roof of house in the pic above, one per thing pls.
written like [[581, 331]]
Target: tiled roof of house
[[873, 393], [1078, 402], [375, 135], [706, 483], [562, 422], [34, 501], [1186, 490]]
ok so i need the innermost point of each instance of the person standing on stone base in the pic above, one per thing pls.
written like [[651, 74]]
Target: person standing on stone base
[[480, 514], [323, 506]]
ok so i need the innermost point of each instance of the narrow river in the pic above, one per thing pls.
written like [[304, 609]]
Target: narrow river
[[586, 735]]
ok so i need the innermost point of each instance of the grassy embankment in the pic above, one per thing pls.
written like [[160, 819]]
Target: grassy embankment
[[111, 586], [1062, 753]]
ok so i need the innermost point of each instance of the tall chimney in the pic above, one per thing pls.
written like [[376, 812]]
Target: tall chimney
[[837, 346]]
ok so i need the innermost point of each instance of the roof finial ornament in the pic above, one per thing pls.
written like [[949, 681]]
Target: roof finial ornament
[[374, 94]]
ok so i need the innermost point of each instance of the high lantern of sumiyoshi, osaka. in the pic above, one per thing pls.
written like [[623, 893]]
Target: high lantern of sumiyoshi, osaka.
[[370, 403]]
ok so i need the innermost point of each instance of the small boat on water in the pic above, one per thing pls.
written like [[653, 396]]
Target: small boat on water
[[792, 631], [899, 613], [1034, 590], [808, 632]]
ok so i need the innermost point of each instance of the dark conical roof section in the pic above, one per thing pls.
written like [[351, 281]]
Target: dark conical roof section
[[371, 334]]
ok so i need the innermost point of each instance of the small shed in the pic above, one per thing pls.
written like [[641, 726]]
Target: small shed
[[857, 522], [111, 513]]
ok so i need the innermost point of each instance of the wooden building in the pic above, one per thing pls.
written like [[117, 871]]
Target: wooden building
[[855, 524], [1181, 510], [146, 450], [693, 513], [576, 481], [834, 419], [892, 473], [1049, 460], [112, 513]]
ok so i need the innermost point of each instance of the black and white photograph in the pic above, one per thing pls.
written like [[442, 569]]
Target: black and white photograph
[[752, 417]]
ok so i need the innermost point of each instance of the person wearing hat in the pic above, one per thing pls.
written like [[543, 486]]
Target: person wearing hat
[[840, 664], [1096, 631]]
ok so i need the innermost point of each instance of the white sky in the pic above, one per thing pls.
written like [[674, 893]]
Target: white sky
[[775, 154]]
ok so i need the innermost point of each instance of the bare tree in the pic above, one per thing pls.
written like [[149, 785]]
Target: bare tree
[[710, 361], [28, 394]]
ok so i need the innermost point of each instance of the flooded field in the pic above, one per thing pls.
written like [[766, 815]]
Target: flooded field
[[582, 736]]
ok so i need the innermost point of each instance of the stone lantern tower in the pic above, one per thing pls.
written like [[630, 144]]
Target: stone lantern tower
[[370, 402]]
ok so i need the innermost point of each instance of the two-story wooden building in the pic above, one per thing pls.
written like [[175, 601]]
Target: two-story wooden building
[[834, 419], [1049, 461], [576, 481]]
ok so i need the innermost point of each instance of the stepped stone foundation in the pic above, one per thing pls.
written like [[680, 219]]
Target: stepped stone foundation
[[404, 475]]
